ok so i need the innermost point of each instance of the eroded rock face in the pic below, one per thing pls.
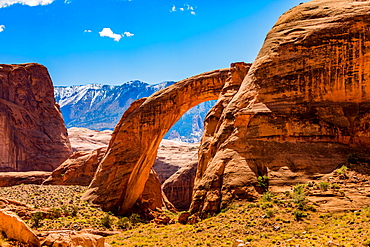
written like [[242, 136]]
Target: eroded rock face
[[32, 132], [179, 187], [79, 169], [123, 172], [83, 139], [173, 156], [15, 228], [303, 106], [8, 179]]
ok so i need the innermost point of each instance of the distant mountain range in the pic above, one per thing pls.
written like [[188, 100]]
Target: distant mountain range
[[100, 107]]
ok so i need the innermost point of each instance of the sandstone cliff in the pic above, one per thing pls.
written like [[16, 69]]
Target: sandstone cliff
[[78, 169], [121, 176], [32, 131], [179, 187], [303, 106]]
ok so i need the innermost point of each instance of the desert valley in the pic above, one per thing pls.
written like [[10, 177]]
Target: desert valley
[[270, 153]]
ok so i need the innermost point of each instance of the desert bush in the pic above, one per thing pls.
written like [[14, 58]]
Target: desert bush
[[36, 219], [267, 197], [298, 215], [106, 221], [134, 219], [324, 186], [124, 223], [270, 213], [55, 213], [263, 181], [299, 195]]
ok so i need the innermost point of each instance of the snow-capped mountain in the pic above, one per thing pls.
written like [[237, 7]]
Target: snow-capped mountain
[[100, 107]]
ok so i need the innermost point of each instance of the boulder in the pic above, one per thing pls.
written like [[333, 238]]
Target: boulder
[[73, 239], [15, 229], [303, 106], [32, 132], [79, 169]]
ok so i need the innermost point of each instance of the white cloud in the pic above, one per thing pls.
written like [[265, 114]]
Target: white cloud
[[107, 32], [2, 27], [186, 7], [67, 1], [128, 34], [87, 31], [5, 3]]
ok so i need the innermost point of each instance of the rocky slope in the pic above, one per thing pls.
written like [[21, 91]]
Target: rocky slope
[[302, 108], [32, 132], [99, 107]]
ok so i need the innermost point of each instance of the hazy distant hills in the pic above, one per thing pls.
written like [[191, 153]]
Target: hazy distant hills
[[99, 107]]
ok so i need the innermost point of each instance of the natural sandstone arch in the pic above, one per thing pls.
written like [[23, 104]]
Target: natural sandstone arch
[[123, 172]]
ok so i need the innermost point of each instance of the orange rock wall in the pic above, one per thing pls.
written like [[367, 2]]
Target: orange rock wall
[[32, 131], [303, 106]]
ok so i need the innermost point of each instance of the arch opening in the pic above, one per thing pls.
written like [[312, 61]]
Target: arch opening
[[125, 170]]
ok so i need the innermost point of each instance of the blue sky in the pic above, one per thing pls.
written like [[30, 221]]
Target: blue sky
[[115, 41]]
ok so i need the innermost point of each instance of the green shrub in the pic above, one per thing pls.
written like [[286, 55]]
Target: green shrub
[[298, 215], [134, 219], [335, 186], [106, 221], [267, 197], [36, 219], [263, 181], [55, 213], [342, 171], [299, 195], [324, 186], [299, 188], [266, 205], [270, 213], [124, 223]]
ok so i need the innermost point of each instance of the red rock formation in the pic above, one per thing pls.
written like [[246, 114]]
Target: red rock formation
[[121, 176], [172, 156], [303, 106], [8, 179], [179, 187], [32, 131], [15, 228], [79, 169], [83, 139]]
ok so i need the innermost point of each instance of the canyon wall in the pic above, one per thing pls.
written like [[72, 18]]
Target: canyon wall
[[32, 132], [304, 105]]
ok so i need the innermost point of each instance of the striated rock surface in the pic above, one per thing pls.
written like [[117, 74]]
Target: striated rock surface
[[123, 172], [302, 108], [172, 156], [83, 139], [15, 228], [8, 179], [179, 187], [79, 169], [32, 132]]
